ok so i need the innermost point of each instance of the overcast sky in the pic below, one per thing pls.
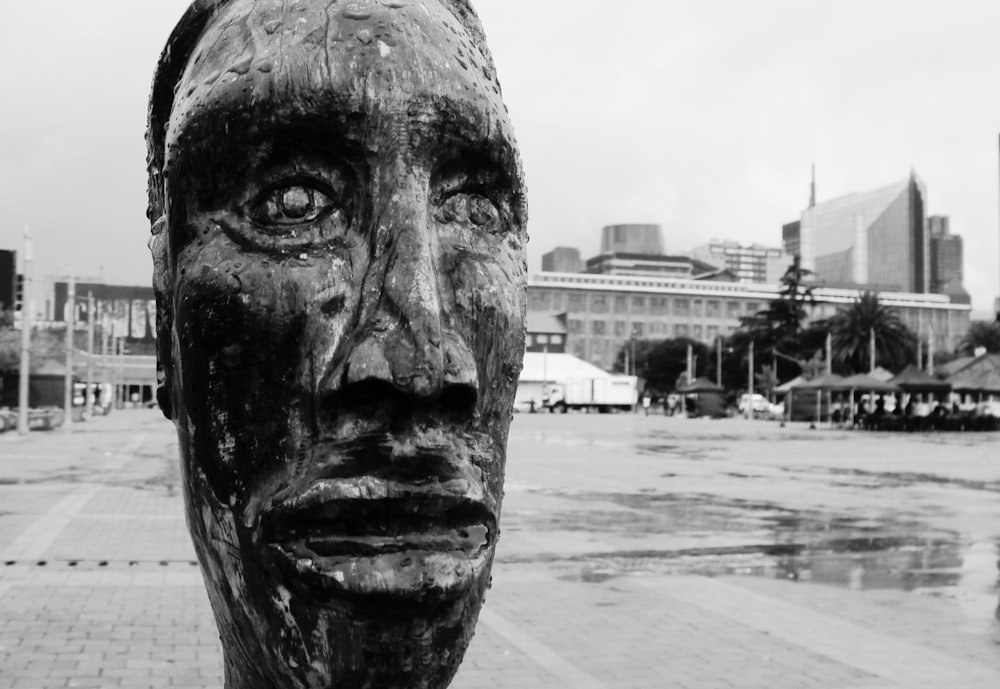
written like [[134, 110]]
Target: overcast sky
[[704, 116]]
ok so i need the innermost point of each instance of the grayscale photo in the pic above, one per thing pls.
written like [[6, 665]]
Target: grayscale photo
[[494, 344]]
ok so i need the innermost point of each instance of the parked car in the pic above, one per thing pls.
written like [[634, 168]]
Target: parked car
[[758, 405]]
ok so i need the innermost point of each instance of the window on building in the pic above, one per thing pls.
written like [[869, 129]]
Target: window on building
[[575, 303], [621, 304], [712, 332], [733, 309], [752, 307], [682, 307], [680, 330], [696, 309], [639, 329], [621, 328], [697, 332], [556, 339], [598, 327], [638, 304], [558, 299], [541, 339], [599, 303], [539, 300], [712, 309], [574, 325]]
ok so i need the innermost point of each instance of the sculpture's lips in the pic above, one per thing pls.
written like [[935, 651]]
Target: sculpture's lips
[[391, 539]]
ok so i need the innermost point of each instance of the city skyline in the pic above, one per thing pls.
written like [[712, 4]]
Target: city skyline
[[704, 119]]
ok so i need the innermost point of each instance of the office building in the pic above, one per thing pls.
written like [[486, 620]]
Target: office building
[[562, 259], [790, 242], [632, 239], [946, 255], [601, 312], [8, 279], [656, 266], [754, 264], [875, 238]]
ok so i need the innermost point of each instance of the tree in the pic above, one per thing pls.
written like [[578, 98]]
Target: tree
[[784, 315], [778, 331], [46, 345], [981, 334], [852, 327], [661, 362]]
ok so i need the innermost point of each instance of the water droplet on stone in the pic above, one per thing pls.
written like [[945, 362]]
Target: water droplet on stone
[[356, 11], [242, 67]]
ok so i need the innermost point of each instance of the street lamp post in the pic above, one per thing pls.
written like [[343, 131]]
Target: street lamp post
[[70, 322], [24, 371]]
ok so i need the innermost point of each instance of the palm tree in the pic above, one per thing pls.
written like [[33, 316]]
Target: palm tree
[[981, 334], [852, 328]]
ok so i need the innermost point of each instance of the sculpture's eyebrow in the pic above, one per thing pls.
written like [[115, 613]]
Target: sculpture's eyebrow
[[441, 120]]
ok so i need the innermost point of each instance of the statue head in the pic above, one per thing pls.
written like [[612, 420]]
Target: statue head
[[338, 218]]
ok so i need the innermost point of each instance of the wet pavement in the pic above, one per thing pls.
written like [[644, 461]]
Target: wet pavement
[[636, 552]]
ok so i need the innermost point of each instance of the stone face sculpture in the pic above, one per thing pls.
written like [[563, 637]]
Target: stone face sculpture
[[338, 219]]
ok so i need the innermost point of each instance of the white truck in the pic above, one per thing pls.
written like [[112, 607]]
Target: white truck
[[603, 395]]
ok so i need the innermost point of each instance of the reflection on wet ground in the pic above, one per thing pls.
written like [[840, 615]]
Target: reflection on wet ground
[[933, 526], [842, 550]]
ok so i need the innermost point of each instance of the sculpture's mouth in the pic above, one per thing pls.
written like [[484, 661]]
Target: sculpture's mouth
[[407, 543]]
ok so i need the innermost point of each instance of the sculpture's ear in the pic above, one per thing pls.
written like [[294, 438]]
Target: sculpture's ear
[[162, 283]]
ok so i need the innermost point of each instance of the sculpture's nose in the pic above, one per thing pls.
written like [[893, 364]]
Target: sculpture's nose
[[405, 335]]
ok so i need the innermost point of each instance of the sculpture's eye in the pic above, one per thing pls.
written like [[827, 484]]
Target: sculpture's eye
[[297, 209], [290, 205], [470, 209]]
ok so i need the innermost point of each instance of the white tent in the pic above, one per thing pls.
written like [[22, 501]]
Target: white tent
[[540, 369]]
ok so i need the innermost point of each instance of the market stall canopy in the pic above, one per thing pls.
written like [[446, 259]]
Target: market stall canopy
[[700, 385], [867, 383], [788, 385], [988, 382], [830, 381], [913, 379]]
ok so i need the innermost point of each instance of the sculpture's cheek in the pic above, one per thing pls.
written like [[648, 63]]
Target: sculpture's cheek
[[246, 330]]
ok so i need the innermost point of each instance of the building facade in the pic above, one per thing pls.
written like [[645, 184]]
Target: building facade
[[877, 237], [619, 263], [946, 255], [790, 238], [754, 264], [562, 259], [632, 238], [602, 312]]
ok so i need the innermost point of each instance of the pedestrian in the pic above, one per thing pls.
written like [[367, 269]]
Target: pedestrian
[[645, 403]]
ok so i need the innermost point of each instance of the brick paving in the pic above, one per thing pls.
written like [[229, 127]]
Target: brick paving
[[97, 587]]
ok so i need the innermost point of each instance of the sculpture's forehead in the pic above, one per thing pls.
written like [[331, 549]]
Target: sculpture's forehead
[[283, 58]]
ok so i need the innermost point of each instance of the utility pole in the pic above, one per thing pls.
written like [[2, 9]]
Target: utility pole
[[89, 394], [24, 372], [70, 322], [829, 354], [749, 408], [634, 367], [121, 370], [718, 361], [871, 350]]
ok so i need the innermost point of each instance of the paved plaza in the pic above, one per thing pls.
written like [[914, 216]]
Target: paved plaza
[[636, 552]]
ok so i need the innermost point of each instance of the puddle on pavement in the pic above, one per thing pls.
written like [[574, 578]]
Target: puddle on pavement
[[853, 552], [885, 479]]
